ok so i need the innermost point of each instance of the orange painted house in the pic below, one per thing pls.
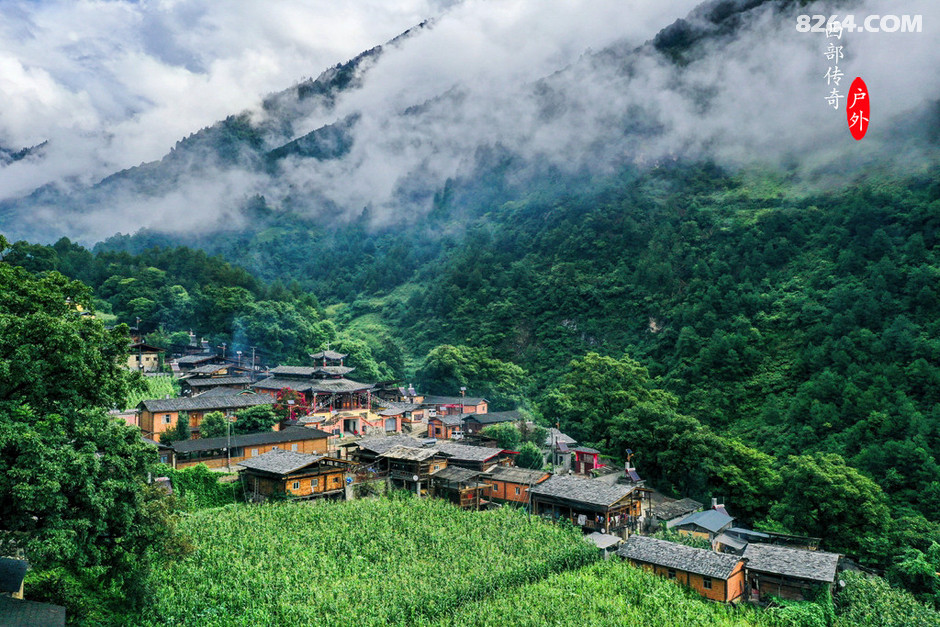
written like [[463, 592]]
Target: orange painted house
[[715, 576], [213, 451], [446, 405], [511, 484], [588, 503], [161, 414], [445, 427], [298, 475]]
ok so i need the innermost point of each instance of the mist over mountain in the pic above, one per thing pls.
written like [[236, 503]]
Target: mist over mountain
[[513, 92]]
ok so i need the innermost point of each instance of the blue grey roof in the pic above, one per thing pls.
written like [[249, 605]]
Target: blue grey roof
[[713, 520], [797, 563], [12, 572], [20, 613], [679, 556]]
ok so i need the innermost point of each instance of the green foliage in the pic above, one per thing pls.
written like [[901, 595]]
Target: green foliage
[[530, 456], [154, 387], [370, 559], [180, 432], [254, 419], [214, 425], [505, 433], [607, 593], [682, 538], [448, 368], [199, 488], [824, 497], [868, 601]]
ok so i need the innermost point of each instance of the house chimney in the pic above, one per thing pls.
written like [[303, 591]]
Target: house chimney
[[714, 503]]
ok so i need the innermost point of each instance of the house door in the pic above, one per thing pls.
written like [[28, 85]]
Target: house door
[[390, 424]]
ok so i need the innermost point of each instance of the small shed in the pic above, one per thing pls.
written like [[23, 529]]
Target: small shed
[[788, 573], [706, 525], [460, 486], [605, 543]]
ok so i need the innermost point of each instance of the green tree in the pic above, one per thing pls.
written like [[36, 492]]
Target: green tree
[[254, 419], [180, 432], [530, 456], [822, 496], [73, 492], [214, 425], [505, 433], [447, 368]]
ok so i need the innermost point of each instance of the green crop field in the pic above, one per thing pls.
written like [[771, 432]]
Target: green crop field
[[157, 387], [399, 561]]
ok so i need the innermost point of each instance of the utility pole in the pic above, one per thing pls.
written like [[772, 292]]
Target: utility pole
[[239, 353], [252, 364], [228, 447]]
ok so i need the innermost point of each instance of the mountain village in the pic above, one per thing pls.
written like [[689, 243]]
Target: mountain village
[[344, 439]]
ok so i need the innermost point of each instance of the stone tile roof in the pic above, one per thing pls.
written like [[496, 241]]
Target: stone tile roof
[[464, 452], [397, 409], [205, 403], [580, 490], [330, 386], [557, 437], [797, 563], [217, 381], [20, 613], [209, 369], [512, 474], [280, 462], [673, 509], [452, 400], [455, 474], [298, 371], [381, 445], [408, 453], [679, 556], [495, 417], [711, 519], [12, 572], [290, 434], [195, 359], [328, 354], [451, 420]]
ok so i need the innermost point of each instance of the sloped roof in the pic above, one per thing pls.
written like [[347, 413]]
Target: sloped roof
[[587, 449], [409, 453], [451, 420], [555, 436], [798, 563], [224, 391], [465, 452], [290, 434], [195, 359], [457, 474], [280, 462], [204, 403], [396, 409], [12, 572], [513, 474], [711, 519], [210, 368], [380, 445], [679, 556], [496, 417], [452, 400], [210, 382], [328, 354], [298, 371], [20, 613], [603, 540], [580, 490], [673, 509]]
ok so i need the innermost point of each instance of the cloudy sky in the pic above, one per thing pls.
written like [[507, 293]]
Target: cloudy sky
[[112, 84]]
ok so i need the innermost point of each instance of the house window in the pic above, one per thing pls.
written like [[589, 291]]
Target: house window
[[517, 490], [254, 452], [166, 419], [274, 448], [707, 583], [293, 447], [671, 573], [437, 430], [296, 485]]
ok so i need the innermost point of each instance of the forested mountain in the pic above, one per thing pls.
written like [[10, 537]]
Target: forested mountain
[[767, 331]]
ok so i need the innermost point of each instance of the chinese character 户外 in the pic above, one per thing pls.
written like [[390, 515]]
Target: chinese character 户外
[[859, 95], [859, 120]]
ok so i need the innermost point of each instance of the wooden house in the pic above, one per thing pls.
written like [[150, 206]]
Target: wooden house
[[445, 405], [510, 484], [479, 458], [161, 414], [298, 475], [460, 486], [215, 453], [586, 459], [706, 525], [588, 503], [788, 573], [396, 415], [367, 450], [144, 357], [321, 389], [190, 362], [165, 451], [715, 576], [446, 426], [411, 468], [671, 511], [474, 422]]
